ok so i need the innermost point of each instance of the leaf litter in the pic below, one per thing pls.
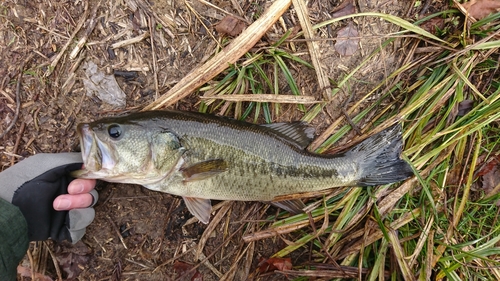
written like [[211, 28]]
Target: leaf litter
[[144, 211], [230, 25], [272, 264], [185, 273], [479, 9], [345, 8], [347, 40]]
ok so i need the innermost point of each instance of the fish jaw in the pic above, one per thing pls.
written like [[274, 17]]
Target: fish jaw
[[102, 159], [88, 147], [98, 159]]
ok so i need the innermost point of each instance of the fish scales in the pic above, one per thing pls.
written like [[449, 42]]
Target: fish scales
[[202, 157], [261, 166]]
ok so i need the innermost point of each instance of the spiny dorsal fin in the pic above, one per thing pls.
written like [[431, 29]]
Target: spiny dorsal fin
[[297, 133]]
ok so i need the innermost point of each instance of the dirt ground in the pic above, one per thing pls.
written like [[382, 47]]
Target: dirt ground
[[140, 234]]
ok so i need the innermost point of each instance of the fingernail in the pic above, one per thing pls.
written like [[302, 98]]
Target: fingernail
[[63, 204], [80, 188], [76, 188]]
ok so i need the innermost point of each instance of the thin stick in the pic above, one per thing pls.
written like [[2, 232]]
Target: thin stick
[[117, 231], [266, 98], [153, 53], [173, 259], [213, 253], [134, 40], [70, 40], [224, 11], [224, 58], [145, 6], [202, 23], [30, 258], [303, 15], [18, 103], [90, 28], [7, 96], [54, 261], [18, 140]]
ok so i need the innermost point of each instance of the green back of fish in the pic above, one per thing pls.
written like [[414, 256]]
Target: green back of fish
[[259, 164]]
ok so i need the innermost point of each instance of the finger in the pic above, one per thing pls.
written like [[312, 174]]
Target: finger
[[72, 201], [81, 186]]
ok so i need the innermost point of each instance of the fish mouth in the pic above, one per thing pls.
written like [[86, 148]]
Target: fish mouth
[[97, 156]]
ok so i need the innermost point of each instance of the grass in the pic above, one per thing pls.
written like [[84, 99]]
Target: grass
[[259, 73], [437, 225]]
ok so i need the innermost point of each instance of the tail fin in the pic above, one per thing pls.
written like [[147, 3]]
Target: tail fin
[[379, 158]]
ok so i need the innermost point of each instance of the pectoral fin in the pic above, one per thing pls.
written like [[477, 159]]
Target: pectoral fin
[[204, 170], [199, 207], [294, 206]]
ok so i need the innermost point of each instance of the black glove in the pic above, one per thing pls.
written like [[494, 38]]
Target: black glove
[[34, 183]]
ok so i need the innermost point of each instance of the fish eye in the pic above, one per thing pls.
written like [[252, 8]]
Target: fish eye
[[114, 131]]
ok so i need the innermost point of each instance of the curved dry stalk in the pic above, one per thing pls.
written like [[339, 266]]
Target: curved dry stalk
[[224, 58]]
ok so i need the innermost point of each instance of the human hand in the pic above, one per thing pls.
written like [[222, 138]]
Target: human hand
[[53, 203], [78, 196]]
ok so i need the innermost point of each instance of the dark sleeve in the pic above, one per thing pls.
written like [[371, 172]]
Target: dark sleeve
[[13, 239], [34, 198]]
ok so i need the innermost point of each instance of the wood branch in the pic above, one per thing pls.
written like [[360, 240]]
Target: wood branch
[[312, 45], [70, 40], [222, 60], [265, 98], [90, 27]]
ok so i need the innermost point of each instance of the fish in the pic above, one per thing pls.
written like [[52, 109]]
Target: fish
[[203, 157]]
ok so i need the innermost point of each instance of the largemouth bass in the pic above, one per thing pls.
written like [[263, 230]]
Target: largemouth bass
[[202, 157]]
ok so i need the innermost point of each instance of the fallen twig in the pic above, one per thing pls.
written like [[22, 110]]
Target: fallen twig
[[18, 140], [116, 231], [265, 98], [151, 24], [90, 28], [303, 15], [224, 58], [70, 40], [18, 103], [130, 41], [54, 261]]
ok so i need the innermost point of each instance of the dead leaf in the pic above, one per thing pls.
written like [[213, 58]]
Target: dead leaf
[[488, 167], [345, 8], [480, 9], [272, 264], [182, 268], [72, 264], [491, 181], [464, 107], [460, 109], [117, 272], [347, 40], [26, 272], [72, 258], [433, 25], [231, 26]]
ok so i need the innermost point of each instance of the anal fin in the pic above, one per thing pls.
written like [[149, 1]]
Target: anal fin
[[199, 207], [294, 206]]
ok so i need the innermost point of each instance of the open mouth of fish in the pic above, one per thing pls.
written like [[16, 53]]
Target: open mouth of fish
[[96, 155]]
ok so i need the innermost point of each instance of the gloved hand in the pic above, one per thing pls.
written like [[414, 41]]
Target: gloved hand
[[36, 186]]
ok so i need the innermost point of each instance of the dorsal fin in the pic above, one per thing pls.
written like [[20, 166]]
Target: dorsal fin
[[297, 133]]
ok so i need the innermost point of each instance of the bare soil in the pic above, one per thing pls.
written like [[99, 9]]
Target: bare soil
[[139, 234]]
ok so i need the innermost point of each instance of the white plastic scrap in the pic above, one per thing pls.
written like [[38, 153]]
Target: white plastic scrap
[[103, 86]]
